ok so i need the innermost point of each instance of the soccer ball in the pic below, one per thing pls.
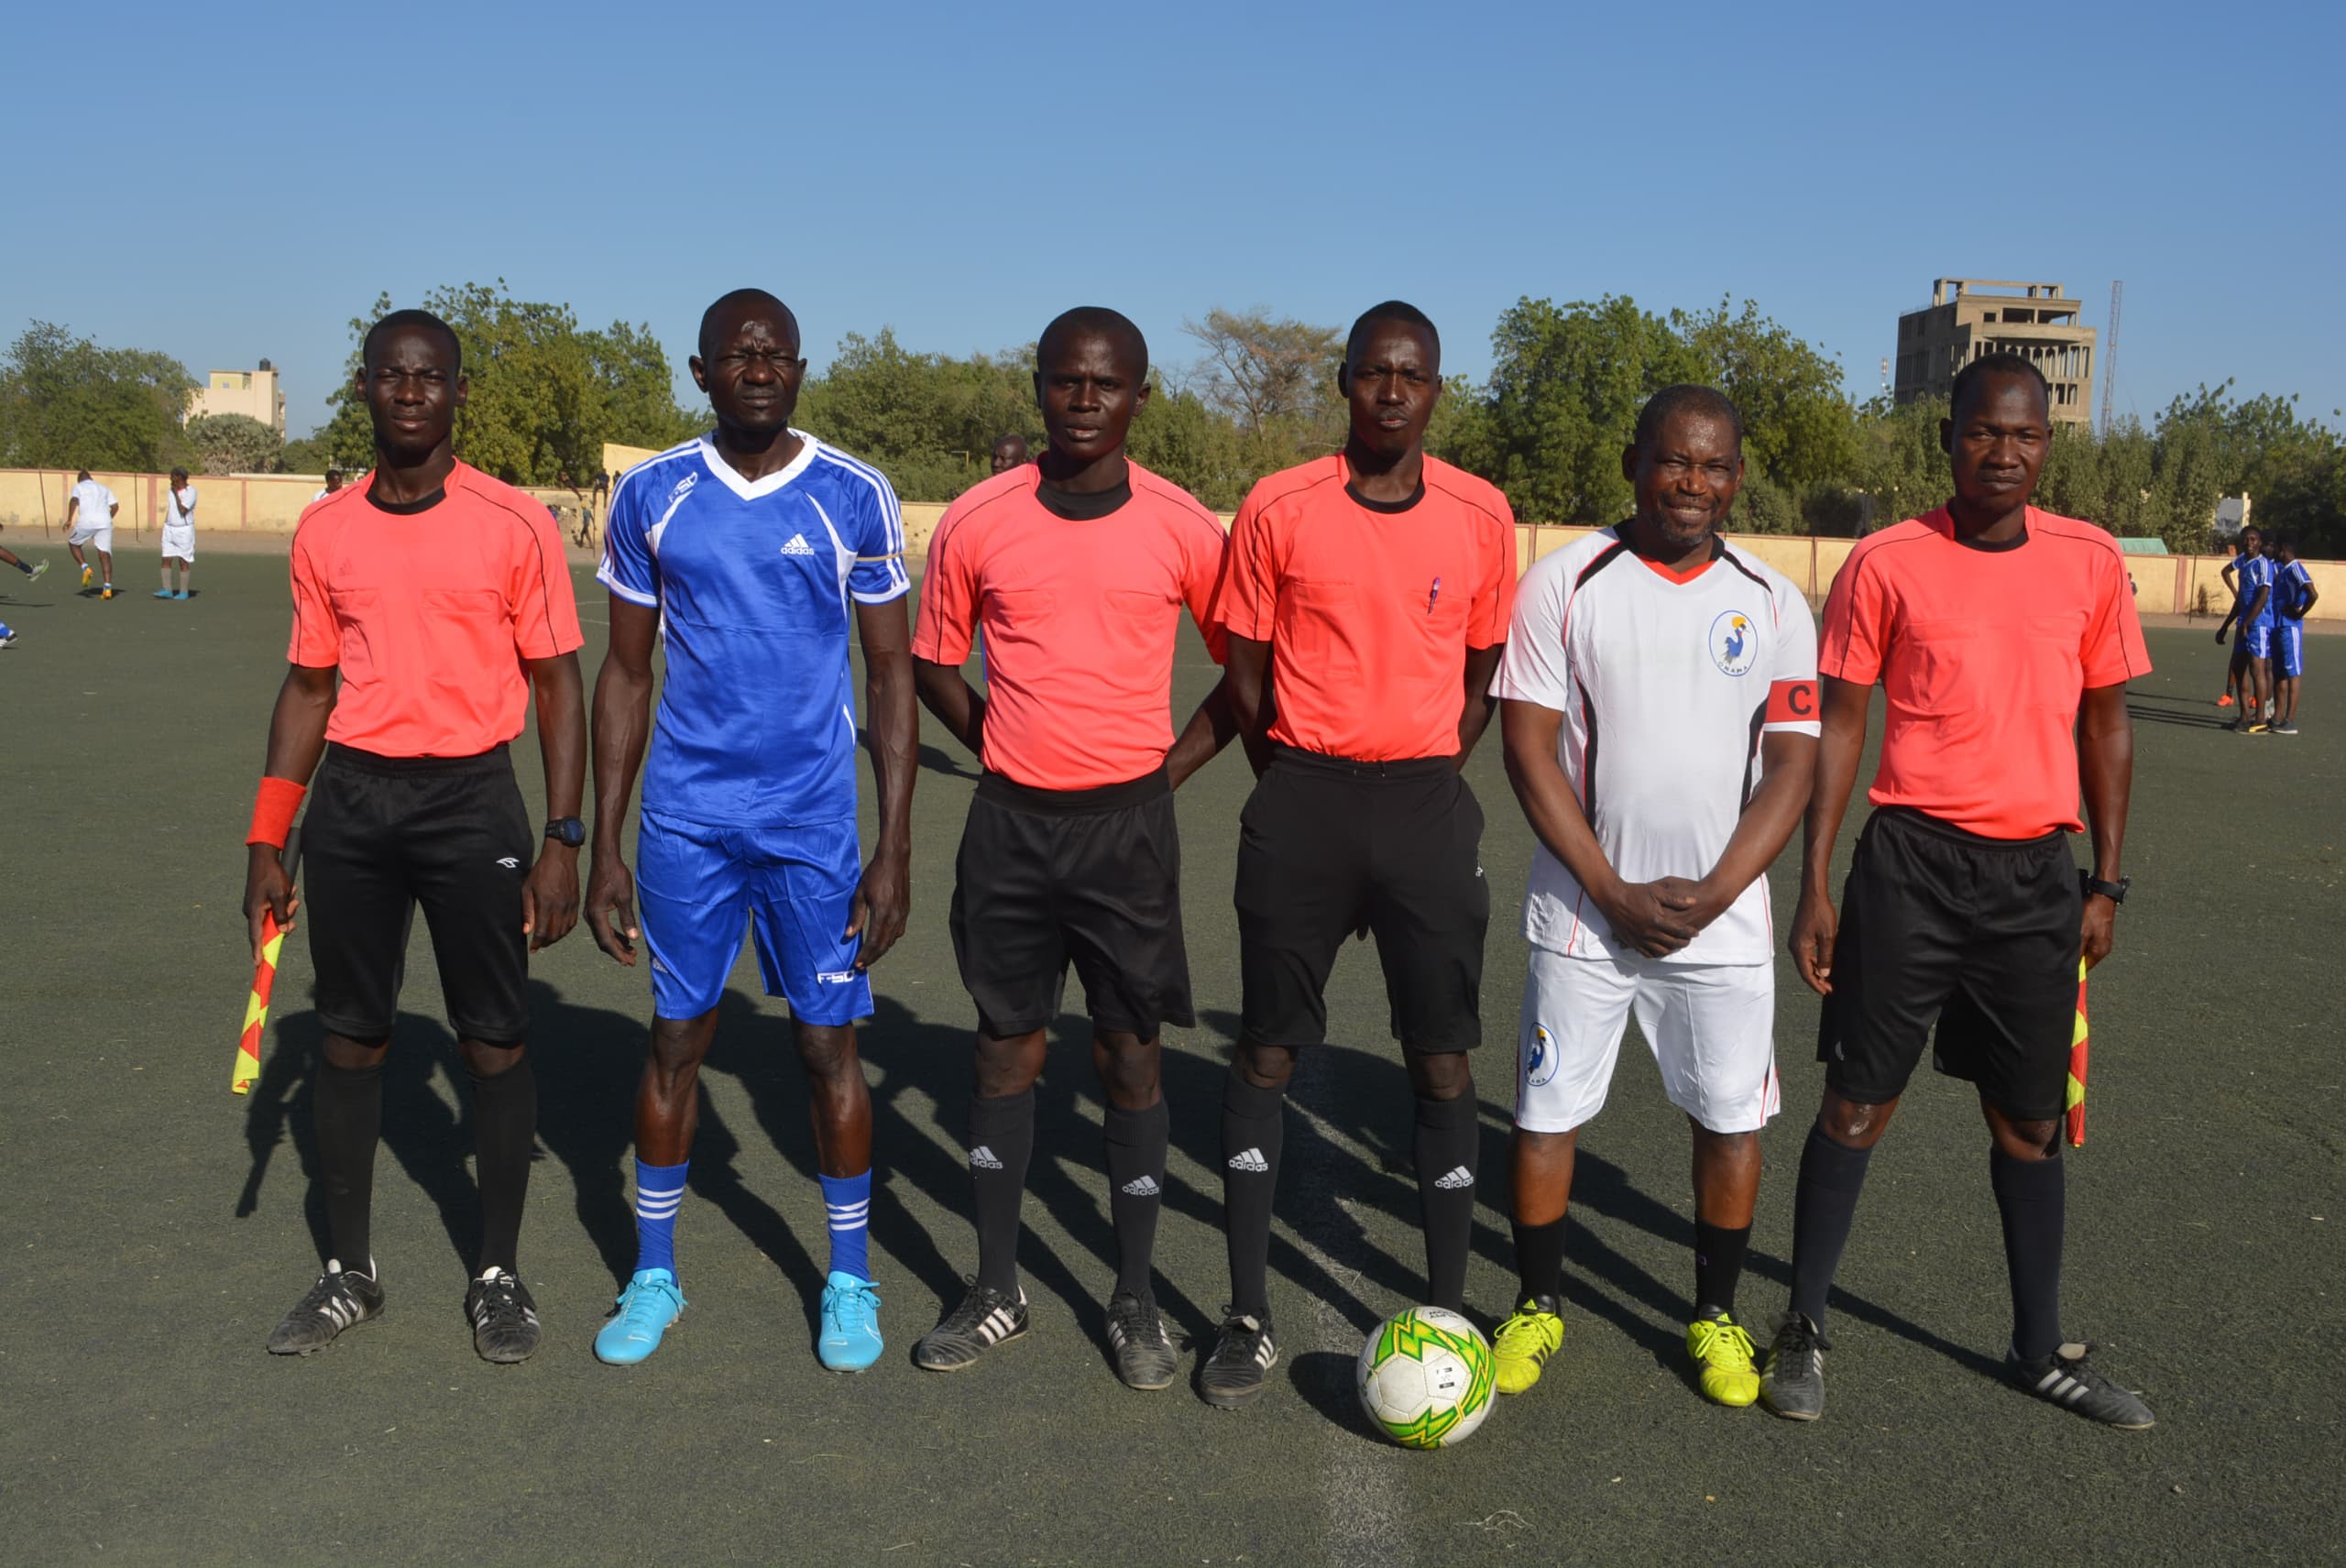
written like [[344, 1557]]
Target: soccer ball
[[1427, 1377]]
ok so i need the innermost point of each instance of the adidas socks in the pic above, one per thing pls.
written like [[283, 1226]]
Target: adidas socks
[[346, 1111], [1448, 1147], [1002, 1140], [846, 1205], [505, 1133], [1540, 1259], [1136, 1143], [2031, 1196], [659, 1194], [1825, 1205], [1719, 1265], [1253, 1123]]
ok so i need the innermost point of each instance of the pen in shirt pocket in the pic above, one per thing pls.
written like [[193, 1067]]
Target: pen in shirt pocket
[[1433, 594]]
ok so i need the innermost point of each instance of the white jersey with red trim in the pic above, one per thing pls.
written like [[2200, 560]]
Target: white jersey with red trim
[[1667, 681]]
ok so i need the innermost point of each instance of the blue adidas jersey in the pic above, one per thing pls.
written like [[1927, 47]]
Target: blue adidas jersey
[[2255, 572], [754, 583], [2292, 587]]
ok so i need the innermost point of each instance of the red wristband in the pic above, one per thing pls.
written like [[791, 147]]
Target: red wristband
[[273, 810]]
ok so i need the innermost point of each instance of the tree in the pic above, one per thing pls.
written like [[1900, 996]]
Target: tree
[[544, 395], [1267, 373], [67, 404], [235, 443], [927, 421]]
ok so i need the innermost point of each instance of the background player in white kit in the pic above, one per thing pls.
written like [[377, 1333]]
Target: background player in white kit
[[179, 535], [90, 509], [1659, 703]]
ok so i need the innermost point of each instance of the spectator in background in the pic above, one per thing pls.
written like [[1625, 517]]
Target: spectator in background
[[90, 509], [1009, 452], [179, 536], [334, 483]]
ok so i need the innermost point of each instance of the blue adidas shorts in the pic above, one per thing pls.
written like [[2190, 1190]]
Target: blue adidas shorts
[[2288, 648], [2257, 638], [693, 883]]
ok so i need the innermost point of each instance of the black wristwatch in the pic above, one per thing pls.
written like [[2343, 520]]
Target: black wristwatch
[[567, 830], [2113, 890]]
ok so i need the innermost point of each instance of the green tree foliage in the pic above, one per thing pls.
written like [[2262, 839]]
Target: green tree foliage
[[235, 443], [927, 421], [67, 404], [544, 395]]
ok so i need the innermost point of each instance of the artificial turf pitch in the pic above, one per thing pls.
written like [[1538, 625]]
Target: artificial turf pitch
[[155, 1227]]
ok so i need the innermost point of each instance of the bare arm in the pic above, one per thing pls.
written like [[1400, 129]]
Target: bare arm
[[1788, 764], [1815, 924], [550, 897], [2313, 597], [1638, 912], [892, 733], [957, 704], [297, 738], [1202, 740], [1247, 679], [622, 726], [2105, 769], [1482, 663]]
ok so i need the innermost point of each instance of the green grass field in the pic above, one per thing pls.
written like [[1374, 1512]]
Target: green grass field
[[156, 1226]]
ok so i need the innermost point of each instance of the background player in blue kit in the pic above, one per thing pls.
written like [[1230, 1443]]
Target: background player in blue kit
[[2293, 596], [2251, 573], [747, 553]]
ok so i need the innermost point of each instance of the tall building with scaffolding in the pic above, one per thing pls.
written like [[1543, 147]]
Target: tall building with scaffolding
[[1972, 316]]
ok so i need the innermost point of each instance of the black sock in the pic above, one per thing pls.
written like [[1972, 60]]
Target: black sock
[[1136, 1142], [26, 567], [1718, 1264], [1540, 1258], [1825, 1205], [346, 1110], [1253, 1123], [1448, 1147], [1002, 1140], [505, 1134], [2030, 1194]]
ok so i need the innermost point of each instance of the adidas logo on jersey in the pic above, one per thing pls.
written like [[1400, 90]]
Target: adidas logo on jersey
[[1141, 1186], [1250, 1160], [798, 546], [1459, 1177], [984, 1158]]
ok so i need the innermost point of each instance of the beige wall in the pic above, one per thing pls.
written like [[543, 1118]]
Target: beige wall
[[223, 394], [272, 503]]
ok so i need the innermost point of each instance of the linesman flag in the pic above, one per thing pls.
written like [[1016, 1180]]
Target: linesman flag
[[248, 1067], [2077, 1096]]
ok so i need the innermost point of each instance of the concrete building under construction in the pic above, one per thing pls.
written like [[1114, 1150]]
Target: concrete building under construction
[[1972, 316]]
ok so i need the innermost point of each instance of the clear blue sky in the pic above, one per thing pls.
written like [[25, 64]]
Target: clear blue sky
[[230, 182]]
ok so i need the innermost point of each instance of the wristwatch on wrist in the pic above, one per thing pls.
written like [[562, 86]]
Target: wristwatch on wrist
[[567, 830], [2113, 890]]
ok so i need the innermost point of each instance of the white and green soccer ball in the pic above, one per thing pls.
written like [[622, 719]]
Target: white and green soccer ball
[[1427, 1377]]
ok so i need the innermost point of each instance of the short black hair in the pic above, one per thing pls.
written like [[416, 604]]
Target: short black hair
[[2286, 540], [743, 297], [83, 475], [1687, 396], [1391, 311], [1004, 439], [179, 472], [1092, 320], [425, 319], [2002, 362], [334, 473]]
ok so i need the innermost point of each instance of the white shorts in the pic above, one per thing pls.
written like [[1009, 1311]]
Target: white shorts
[[1711, 1028], [101, 536], [179, 543]]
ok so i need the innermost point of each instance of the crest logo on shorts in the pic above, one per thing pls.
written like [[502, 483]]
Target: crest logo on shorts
[[1541, 1067], [1734, 642]]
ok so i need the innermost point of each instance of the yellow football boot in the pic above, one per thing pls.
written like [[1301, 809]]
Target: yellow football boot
[[1723, 1353], [1526, 1341]]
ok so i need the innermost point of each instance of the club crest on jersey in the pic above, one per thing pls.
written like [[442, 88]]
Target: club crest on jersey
[[1734, 642], [1542, 1065]]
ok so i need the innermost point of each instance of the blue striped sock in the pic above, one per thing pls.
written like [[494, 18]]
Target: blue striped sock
[[848, 1200], [659, 1189]]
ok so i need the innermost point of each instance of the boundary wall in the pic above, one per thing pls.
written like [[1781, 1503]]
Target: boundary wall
[[31, 499]]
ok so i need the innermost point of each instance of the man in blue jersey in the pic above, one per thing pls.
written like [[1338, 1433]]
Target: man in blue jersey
[[2250, 574], [747, 553], [2293, 595]]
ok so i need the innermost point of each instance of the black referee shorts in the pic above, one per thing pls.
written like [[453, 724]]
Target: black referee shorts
[[1093, 876], [1978, 936], [385, 833], [1325, 845]]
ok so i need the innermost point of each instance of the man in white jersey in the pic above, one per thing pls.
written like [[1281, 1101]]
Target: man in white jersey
[[1659, 702], [89, 511], [179, 535]]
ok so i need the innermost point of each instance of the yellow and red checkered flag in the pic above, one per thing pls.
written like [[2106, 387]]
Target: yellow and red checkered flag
[[2077, 1095], [272, 940]]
